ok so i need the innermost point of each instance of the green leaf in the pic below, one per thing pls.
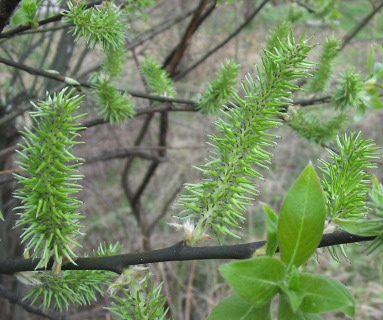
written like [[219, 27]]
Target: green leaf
[[292, 290], [235, 308], [256, 280], [378, 70], [373, 102], [285, 311], [1, 216], [26, 13], [324, 294], [272, 228], [301, 220]]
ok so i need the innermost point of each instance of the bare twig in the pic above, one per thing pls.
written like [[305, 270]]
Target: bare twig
[[223, 43], [168, 23], [85, 84], [55, 18], [347, 38], [189, 290], [165, 208], [12, 298], [122, 153]]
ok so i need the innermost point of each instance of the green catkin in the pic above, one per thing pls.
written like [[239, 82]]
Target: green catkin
[[349, 91], [219, 91], [49, 179], [323, 71], [157, 80], [228, 187]]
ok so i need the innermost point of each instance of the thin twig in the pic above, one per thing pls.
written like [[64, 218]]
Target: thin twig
[[122, 153], [347, 38], [223, 43], [165, 207], [55, 18], [189, 289], [12, 298]]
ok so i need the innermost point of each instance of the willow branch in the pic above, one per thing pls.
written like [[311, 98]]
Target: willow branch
[[12, 298], [55, 18], [177, 252], [122, 153], [159, 29], [224, 42], [347, 38]]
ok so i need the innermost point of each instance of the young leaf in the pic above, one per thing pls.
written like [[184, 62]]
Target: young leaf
[[292, 290], [285, 311], [255, 280], [272, 228], [324, 294], [235, 308], [301, 220]]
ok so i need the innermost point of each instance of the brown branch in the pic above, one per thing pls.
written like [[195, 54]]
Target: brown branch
[[6, 9], [55, 18], [122, 153], [177, 252], [223, 43], [38, 72], [305, 6], [61, 78], [347, 38], [137, 209], [181, 47], [159, 29], [12, 298], [165, 208]]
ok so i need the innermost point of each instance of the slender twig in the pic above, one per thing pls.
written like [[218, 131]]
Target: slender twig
[[178, 252], [305, 6], [61, 78], [38, 72], [223, 43], [172, 64], [347, 38], [45, 30], [122, 153], [350, 35], [189, 288], [12, 298], [137, 209], [101, 156], [165, 207], [163, 26], [55, 18]]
